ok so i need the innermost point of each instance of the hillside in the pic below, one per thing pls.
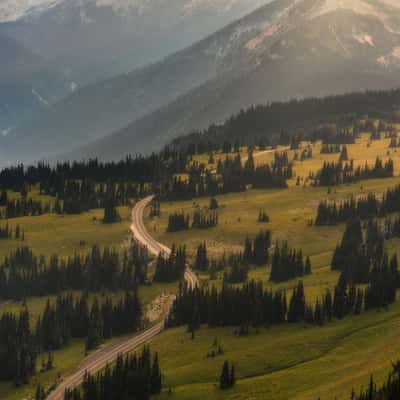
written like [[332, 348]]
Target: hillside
[[294, 246], [97, 39], [283, 50], [28, 83]]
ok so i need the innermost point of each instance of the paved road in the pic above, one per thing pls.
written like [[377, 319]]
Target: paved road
[[106, 355], [141, 234]]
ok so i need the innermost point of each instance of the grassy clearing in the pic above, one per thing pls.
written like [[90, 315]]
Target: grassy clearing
[[68, 234], [295, 362], [69, 358], [290, 211], [64, 361], [49, 234], [286, 362]]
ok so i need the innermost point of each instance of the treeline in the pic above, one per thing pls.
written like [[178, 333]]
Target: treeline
[[305, 154], [252, 305], [171, 268], [390, 390], [18, 350], [236, 265], [342, 136], [394, 143], [20, 343], [230, 176], [72, 197], [132, 377], [24, 274], [330, 148], [288, 263], [262, 124], [25, 207], [331, 213], [7, 232], [179, 221], [333, 173], [364, 260], [68, 318], [52, 179]]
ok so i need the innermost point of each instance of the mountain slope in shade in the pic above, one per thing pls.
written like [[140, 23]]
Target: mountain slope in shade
[[95, 39], [290, 48], [27, 83]]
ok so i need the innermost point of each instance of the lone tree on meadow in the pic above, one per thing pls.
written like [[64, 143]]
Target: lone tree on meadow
[[227, 378], [111, 214]]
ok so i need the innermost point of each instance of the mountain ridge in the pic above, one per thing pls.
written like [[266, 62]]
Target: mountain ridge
[[283, 50]]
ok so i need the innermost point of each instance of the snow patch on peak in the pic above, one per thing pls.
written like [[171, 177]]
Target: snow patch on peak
[[362, 7], [364, 38], [12, 10]]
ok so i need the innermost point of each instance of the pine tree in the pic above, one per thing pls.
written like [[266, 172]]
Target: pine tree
[[343, 155], [111, 214], [40, 393], [155, 379], [224, 380]]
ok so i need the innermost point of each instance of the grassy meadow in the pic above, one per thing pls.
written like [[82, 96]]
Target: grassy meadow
[[282, 362], [277, 363]]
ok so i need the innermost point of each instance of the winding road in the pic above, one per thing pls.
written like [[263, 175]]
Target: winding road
[[107, 354]]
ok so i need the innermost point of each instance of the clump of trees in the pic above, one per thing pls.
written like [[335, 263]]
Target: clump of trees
[[69, 318], [263, 217], [370, 206], [333, 173], [179, 221], [330, 148], [18, 350], [171, 268], [343, 154], [6, 232], [201, 261], [236, 265], [155, 208], [213, 204], [390, 390], [24, 274], [364, 260], [133, 376], [66, 318], [204, 220], [288, 263], [111, 214], [227, 378]]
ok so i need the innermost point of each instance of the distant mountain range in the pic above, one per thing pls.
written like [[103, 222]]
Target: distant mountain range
[[289, 48], [91, 40], [28, 83], [82, 41]]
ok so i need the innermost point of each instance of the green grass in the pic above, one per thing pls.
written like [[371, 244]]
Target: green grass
[[62, 234], [283, 362], [68, 358], [53, 234], [64, 361]]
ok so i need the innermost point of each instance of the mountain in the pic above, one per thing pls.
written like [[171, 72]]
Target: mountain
[[27, 83], [90, 40], [289, 48]]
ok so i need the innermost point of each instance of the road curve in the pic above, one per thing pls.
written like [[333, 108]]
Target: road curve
[[141, 234], [107, 354]]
